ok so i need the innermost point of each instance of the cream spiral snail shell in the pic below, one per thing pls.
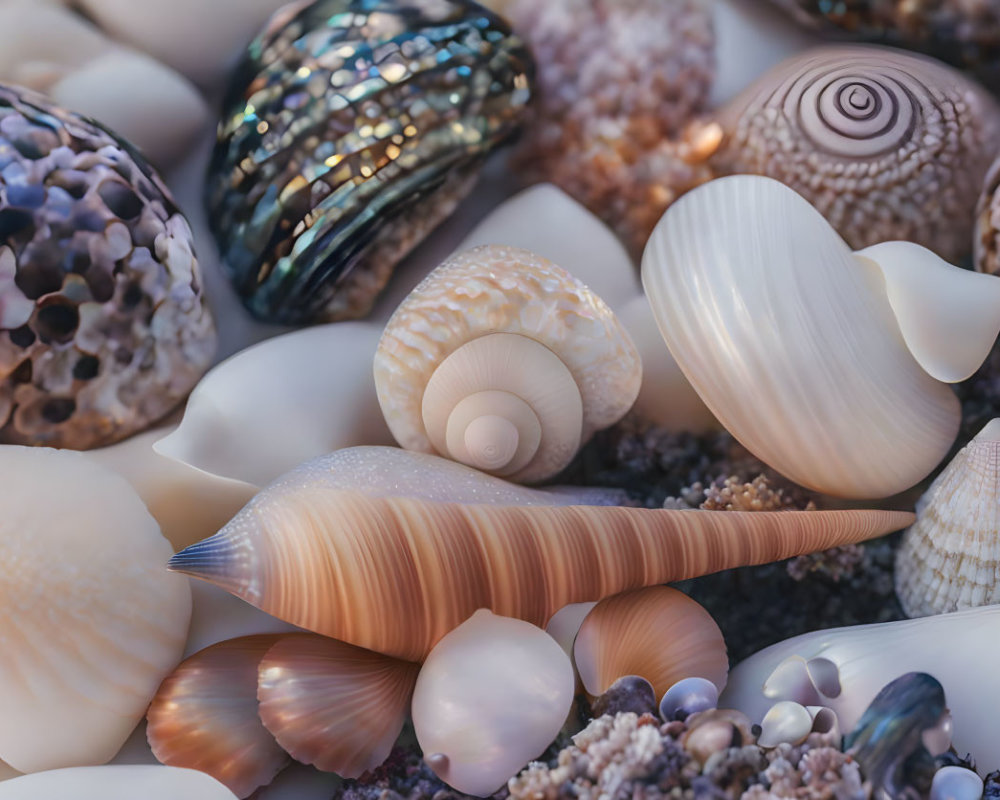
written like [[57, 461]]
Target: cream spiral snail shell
[[886, 145], [503, 361]]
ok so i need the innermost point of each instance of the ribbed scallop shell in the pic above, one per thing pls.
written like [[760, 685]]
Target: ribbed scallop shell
[[103, 323], [89, 619], [352, 128], [394, 574], [792, 342], [949, 558], [658, 633], [204, 716], [886, 145], [495, 289], [334, 705]]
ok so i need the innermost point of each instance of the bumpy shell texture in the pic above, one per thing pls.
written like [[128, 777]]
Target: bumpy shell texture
[[351, 129], [987, 239], [950, 558], [886, 145], [103, 325], [506, 290], [618, 80]]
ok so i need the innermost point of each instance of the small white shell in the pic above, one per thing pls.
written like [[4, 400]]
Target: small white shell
[[956, 783], [281, 402], [119, 782], [785, 721], [793, 341], [951, 647], [689, 696], [90, 619], [491, 696], [553, 332], [950, 557]]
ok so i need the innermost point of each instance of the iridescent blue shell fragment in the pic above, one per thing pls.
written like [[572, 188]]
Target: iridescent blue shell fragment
[[352, 128]]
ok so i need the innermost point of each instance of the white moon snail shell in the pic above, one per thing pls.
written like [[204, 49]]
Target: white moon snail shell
[[505, 362], [816, 358]]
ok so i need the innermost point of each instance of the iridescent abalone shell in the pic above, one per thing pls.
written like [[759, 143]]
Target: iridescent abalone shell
[[352, 128], [103, 325]]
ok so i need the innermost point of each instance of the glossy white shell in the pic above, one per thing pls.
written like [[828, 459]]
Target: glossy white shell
[[792, 340], [116, 783], [957, 649], [491, 696]]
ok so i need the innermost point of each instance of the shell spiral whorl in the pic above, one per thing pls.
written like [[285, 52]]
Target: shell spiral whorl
[[886, 145]]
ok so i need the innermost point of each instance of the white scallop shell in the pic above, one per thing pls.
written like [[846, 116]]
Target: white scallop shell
[[118, 782], [949, 558], [281, 402], [90, 619], [491, 696], [958, 649], [796, 345]]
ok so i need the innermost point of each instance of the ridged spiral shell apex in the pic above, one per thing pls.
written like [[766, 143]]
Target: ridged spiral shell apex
[[495, 321]]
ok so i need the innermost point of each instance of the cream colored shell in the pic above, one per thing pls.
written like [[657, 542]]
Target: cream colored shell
[[949, 558], [491, 696], [119, 782], [816, 358], [90, 621], [565, 365]]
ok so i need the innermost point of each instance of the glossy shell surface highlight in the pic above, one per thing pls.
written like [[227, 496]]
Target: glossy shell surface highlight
[[351, 129], [103, 323]]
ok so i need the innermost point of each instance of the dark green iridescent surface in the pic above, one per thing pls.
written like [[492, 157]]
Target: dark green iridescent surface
[[351, 129], [888, 741]]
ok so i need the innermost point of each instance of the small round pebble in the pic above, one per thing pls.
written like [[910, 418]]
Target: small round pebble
[[687, 697]]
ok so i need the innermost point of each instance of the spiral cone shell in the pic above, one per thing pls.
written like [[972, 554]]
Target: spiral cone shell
[[394, 574]]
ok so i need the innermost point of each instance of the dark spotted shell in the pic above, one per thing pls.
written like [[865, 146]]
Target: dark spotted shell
[[352, 128], [103, 325]]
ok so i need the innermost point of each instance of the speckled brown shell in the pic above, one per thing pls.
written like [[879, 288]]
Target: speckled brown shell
[[886, 145], [617, 82], [103, 325]]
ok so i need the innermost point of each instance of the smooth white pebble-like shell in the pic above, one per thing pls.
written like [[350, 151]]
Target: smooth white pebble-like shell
[[491, 696], [957, 649], [793, 343], [119, 782], [949, 558], [281, 402], [90, 619]]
